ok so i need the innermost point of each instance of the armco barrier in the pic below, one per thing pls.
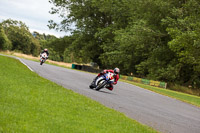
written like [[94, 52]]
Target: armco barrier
[[90, 69], [130, 78], [163, 84], [155, 83], [73, 66], [123, 77], [85, 68], [137, 79], [79, 67], [145, 81]]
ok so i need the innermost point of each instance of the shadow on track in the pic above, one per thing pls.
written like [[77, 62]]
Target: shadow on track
[[105, 92], [102, 91]]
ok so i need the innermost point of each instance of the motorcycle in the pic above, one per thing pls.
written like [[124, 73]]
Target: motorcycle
[[103, 81], [43, 58]]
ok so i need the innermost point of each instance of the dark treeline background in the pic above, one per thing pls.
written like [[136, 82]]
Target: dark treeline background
[[153, 39]]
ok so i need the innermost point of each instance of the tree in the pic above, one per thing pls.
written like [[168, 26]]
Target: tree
[[5, 43], [184, 29], [95, 22], [155, 39], [20, 36]]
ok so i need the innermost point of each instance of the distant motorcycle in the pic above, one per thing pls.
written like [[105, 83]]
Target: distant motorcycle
[[43, 58], [103, 81]]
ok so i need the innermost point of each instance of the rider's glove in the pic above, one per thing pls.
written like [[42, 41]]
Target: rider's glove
[[104, 71]]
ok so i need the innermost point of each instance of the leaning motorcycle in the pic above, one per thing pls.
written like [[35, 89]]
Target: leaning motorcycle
[[43, 58], [103, 81]]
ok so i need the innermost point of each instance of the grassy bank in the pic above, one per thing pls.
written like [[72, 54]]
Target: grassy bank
[[195, 100], [29, 103]]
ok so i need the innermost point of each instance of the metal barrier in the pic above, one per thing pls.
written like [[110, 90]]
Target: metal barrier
[[145, 81], [85, 68]]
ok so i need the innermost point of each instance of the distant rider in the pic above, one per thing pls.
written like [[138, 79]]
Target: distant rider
[[116, 76], [45, 51]]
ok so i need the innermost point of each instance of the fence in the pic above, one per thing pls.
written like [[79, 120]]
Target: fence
[[85, 68], [145, 81]]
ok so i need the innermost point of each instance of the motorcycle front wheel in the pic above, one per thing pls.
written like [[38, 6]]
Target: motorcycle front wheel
[[100, 85], [41, 62]]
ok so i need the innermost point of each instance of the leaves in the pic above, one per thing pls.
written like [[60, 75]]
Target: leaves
[[5, 43], [156, 39], [20, 37]]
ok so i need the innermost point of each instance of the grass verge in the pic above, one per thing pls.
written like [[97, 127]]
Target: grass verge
[[195, 100], [30, 103]]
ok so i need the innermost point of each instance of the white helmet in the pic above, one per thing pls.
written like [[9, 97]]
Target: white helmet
[[116, 70]]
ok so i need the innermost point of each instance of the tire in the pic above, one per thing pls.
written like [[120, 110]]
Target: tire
[[92, 86], [41, 62], [100, 86]]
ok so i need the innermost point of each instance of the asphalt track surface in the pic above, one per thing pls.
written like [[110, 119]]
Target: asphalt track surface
[[164, 114]]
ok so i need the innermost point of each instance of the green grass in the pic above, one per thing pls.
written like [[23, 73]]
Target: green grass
[[30, 103], [195, 100]]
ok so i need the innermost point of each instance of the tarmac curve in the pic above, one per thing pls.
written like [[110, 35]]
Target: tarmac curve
[[163, 113]]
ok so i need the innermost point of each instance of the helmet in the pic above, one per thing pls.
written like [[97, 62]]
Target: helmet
[[116, 70], [45, 49]]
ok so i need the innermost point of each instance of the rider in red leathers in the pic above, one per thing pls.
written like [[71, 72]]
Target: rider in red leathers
[[116, 76]]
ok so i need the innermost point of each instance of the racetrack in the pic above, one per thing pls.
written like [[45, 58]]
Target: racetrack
[[160, 112]]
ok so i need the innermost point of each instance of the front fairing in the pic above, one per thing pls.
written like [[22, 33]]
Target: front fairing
[[43, 57], [109, 77]]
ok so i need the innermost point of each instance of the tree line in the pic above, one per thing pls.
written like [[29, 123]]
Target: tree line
[[153, 39], [15, 35]]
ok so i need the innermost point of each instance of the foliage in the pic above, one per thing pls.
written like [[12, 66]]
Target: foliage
[[22, 40], [94, 25], [184, 29], [5, 43], [43, 36], [157, 39], [56, 47]]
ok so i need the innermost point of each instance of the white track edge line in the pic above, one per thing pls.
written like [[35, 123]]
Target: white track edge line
[[25, 64], [19, 60]]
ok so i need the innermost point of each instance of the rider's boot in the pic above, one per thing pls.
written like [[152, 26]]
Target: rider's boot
[[110, 87]]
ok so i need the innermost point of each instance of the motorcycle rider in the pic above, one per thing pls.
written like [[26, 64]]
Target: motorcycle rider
[[116, 77], [45, 51]]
